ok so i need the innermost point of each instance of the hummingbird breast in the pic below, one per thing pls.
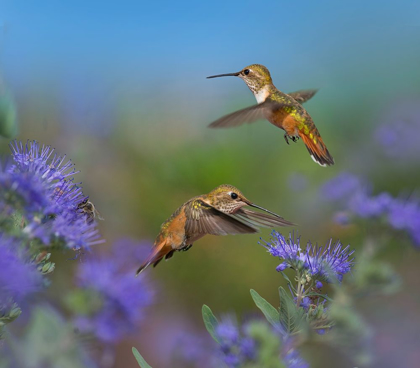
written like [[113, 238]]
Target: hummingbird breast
[[261, 94]]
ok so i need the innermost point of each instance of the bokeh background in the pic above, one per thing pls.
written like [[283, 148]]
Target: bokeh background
[[120, 88]]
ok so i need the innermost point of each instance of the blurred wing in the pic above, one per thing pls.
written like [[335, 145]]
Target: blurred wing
[[205, 219], [303, 96], [247, 115], [262, 219]]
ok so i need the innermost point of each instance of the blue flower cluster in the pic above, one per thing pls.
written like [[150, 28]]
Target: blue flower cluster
[[327, 262], [236, 345], [119, 297], [398, 134], [39, 185], [40, 207], [357, 200], [19, 277], [291, 356]]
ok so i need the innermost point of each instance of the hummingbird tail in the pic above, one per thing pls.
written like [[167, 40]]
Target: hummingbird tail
[[317, 149], [158, 253]]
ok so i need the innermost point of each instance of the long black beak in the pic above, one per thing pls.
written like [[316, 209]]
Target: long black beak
[[224, 75], [261, 208]]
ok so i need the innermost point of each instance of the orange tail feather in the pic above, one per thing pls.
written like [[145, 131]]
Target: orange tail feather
[[317, 149], [158, 252]]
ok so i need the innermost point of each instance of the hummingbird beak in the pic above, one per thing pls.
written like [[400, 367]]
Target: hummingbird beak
[[225, 75], [261, 208]]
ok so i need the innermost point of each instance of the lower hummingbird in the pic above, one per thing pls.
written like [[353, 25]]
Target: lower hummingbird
[[280, 109], [219, 212]]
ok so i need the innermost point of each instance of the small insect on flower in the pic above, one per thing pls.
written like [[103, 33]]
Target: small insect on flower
[[89, 209]]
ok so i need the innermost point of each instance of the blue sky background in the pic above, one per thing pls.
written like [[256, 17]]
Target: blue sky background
[[149, 56], [173, 40]]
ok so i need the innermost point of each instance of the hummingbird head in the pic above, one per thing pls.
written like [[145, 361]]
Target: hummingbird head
[[228, 199], [256, 76]]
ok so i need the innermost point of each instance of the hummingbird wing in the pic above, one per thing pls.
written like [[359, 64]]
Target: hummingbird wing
[[247, 115], [205, 219], [304, 95], [260, 219]]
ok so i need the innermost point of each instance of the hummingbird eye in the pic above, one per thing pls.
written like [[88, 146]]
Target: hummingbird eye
[[233, 195], [246, 71]]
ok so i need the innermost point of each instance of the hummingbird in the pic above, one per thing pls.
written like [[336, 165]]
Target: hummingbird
[[280, 109], [219, 212]]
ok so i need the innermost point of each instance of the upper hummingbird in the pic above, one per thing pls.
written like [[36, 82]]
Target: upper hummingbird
[[219, 212], [281, 109]]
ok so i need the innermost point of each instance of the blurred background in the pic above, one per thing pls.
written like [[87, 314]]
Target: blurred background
[[120, 88]]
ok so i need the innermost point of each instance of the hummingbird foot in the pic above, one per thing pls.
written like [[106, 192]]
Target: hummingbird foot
[[292, 137], [184, 249]]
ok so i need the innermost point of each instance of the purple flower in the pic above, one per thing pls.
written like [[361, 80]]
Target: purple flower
[[292, 359], [360, 203], [289, 250], [236, 346], [356, 197], [398, 135], [119, 296], [341, 187], [330, 261], [18, 276], [187, 348], [290, 355], [228, 332], [41, 160], [405, 215], [231, 360], [305, 303], [320, 262], [40, 185], [248, 348], [342, 218], [129, 253], [367, 206]]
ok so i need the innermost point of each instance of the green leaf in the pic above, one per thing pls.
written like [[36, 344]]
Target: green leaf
[[375, 278], [291, 317], [288, 280], [140, 359], [268, 310], [268, 343], [210, 321], [49, 341]]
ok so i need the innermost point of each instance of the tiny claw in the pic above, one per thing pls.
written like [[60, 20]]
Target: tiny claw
[[186, 248], [285, 138]]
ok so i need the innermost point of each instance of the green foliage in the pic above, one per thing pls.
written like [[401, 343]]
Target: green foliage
[[140, 359], [268, 343], [49, 341], [375, 277], [268, 310], [9, 316], [44, 266], [210, 321], [86, 302], [291, 317], [350, 334]]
